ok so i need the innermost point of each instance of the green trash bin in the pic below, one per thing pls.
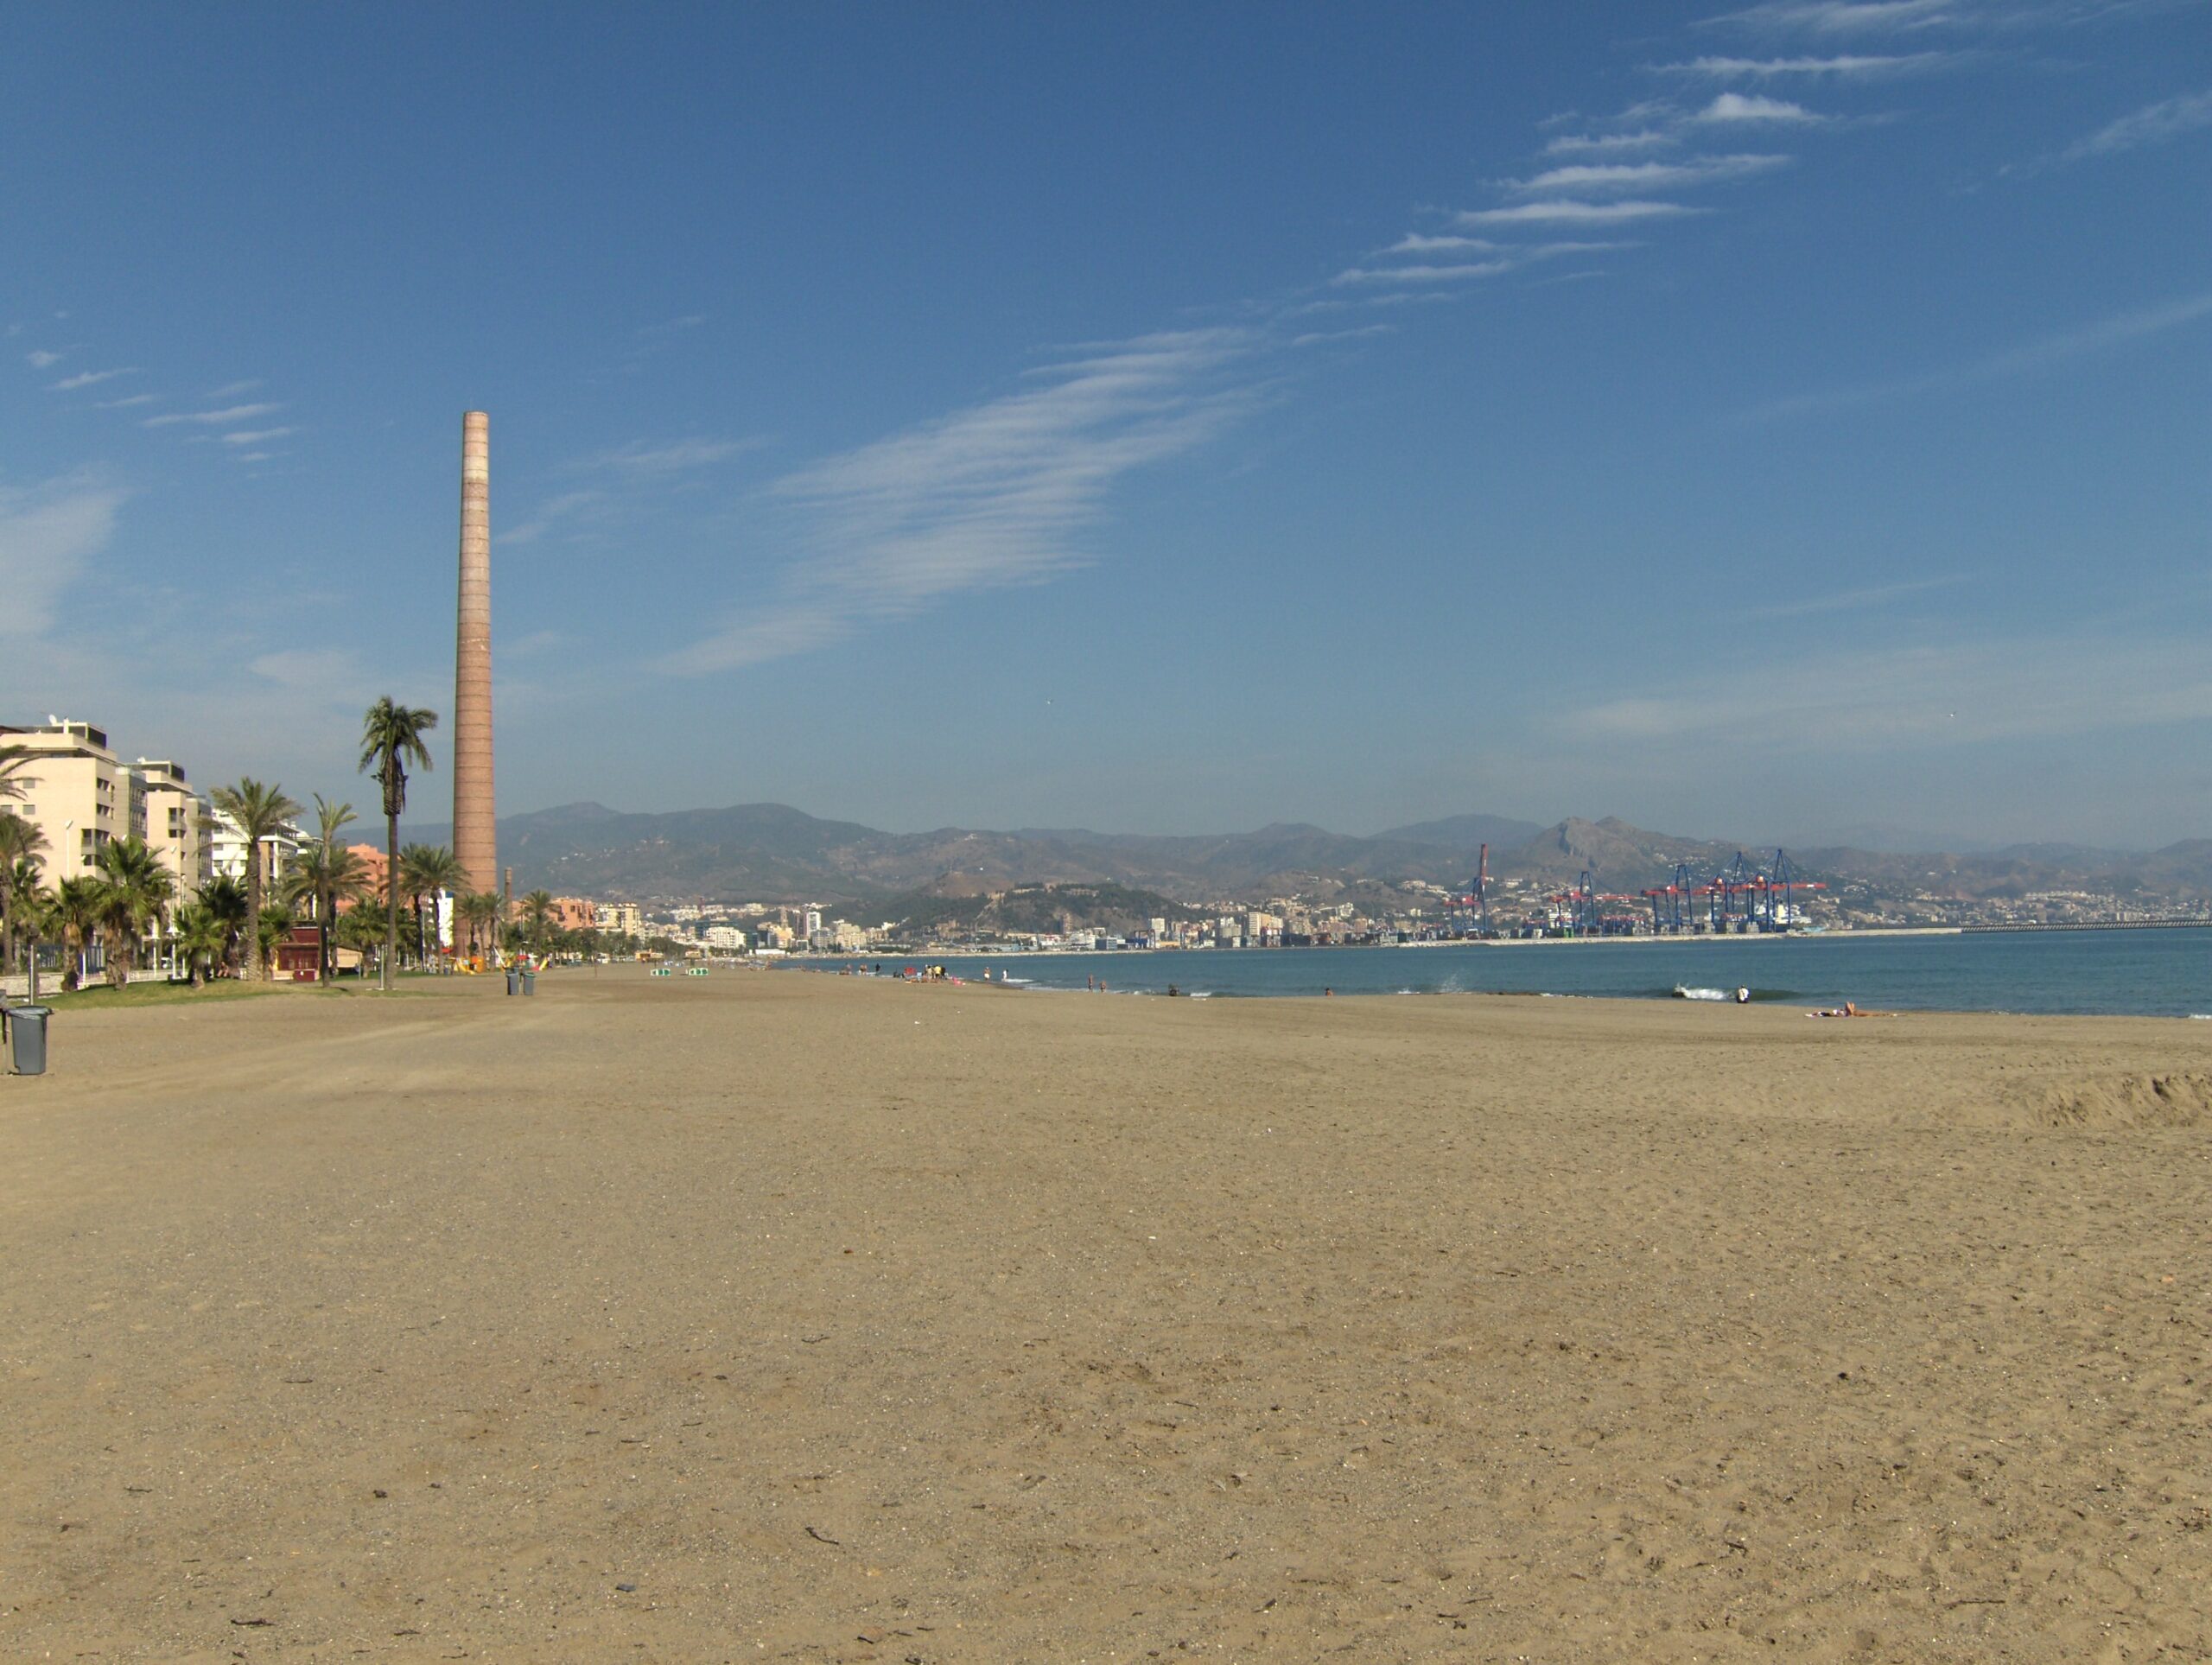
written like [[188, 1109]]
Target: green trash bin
[[530, 982], [27, 1036], [514, 981]]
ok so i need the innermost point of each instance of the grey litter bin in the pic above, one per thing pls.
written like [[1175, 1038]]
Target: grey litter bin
[[514, 981], [27, 1031], [530, 982]]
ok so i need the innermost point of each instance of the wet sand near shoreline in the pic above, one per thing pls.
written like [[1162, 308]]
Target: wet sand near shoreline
[[788, 1317]]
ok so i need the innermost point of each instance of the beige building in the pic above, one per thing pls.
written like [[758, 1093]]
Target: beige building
[[179, 825], [621, 919], [77, 793]]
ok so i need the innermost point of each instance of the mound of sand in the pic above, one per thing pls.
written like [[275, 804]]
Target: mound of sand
[[2137, 1099]]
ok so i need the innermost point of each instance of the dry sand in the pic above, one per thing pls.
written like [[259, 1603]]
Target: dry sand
[[788, 1317]]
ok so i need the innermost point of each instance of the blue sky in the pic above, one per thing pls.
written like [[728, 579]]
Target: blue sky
[[1774, 423]]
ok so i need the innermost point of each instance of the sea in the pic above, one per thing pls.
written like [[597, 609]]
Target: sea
[[2148, 972]]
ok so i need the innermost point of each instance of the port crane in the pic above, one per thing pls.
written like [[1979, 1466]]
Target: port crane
[[1584, 908], [1469, 915], [1784, 880], [1674, 905]]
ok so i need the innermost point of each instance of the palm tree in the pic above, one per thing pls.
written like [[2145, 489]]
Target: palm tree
[[479, 911], [202, 937], [391, 737], [275, 920], [20, 841], [77, 913], [30, 913], [330, 819], [13, 762], [134, 888], [227, 900], [326, 875], [327, 871], [537, 913], [361, 931], [260, 812], [429, 870]]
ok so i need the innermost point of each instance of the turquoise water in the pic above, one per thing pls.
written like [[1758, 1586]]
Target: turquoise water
[[2150, 973]]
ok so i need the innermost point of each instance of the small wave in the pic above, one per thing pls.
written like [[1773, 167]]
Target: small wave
[[1682, 994]]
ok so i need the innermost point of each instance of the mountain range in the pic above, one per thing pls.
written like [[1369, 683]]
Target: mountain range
[[773, 852]]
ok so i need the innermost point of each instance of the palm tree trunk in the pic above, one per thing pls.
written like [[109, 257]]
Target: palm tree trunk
[[391, 894], [250, 970]]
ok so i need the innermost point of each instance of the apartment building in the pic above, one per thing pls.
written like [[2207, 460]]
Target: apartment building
[[279, 850], [179, 825], [574, 913], [621, 920], [77, 793]]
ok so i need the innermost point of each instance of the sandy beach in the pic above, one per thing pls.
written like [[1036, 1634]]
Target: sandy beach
[[788, 1317]]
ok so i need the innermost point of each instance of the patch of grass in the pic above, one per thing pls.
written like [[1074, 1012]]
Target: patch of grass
[[98, 996]]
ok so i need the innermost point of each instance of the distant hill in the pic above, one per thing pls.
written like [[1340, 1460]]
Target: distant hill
[[770, 851], [1622, 857], [760, 850], [1466, 833]]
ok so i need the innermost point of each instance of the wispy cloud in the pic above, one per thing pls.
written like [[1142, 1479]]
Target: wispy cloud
[[2106, 334], [127, 402], [89, 378], [231, 390], [1415, 243], [2157, 123], [1609, 176], [1573, 213], [1883, 699], [257, 436], [991, 496], [645, 457], [1845, 17], [1865, 599], [47, 532], [1740, 109], [1409, 298], [550, 513], [1839, 19], [213, 418], [41, 359], [1416, 274], [1844, 68], [1315, 338], [1606, 144]]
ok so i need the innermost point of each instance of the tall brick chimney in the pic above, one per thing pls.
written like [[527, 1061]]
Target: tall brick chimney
[[475, 837]]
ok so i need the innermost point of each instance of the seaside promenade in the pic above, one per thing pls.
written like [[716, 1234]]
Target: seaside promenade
[[772, 1316]]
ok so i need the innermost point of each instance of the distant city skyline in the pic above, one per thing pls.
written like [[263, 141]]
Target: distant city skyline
[[1778, 420]]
